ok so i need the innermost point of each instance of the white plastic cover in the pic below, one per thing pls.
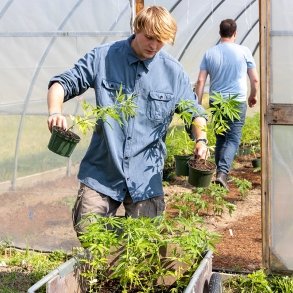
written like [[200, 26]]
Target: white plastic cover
[[40, 38], [281, 88]]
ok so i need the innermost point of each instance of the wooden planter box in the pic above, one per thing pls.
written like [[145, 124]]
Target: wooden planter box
[[66, 278]]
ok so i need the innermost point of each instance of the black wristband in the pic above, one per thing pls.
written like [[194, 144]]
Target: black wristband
[[202, 139]]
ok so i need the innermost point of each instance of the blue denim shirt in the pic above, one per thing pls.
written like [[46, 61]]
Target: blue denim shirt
[[128, 158]]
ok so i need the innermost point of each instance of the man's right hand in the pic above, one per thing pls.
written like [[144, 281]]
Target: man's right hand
[[252, 100], [56, 119]]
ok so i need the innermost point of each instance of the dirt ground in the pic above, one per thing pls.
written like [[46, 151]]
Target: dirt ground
[[40, 218], [240, 247]]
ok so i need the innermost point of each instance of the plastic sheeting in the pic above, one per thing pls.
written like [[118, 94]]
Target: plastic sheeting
[[198, 27], [39, 39], [281, 199], [281, 181]]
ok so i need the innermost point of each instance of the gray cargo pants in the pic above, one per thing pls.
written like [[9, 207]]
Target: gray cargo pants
[[90, 201]]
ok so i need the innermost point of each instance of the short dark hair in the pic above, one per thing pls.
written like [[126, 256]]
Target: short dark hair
[[227, 28]]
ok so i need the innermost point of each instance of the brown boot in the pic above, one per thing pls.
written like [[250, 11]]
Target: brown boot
[[221, 179]]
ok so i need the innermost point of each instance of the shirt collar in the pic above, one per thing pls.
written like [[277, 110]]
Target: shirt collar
[[132, 58]]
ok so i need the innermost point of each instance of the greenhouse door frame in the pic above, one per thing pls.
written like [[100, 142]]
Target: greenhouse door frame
[[271, 114]]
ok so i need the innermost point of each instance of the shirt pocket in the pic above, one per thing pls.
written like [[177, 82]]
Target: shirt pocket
[[159, 106], [112, 87]]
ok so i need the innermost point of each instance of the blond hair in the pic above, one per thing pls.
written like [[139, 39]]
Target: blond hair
[[156, 21]]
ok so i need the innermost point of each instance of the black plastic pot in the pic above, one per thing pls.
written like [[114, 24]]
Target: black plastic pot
[[256, 163], [168, 174], [200, 177], [181, 164], [63, 142]]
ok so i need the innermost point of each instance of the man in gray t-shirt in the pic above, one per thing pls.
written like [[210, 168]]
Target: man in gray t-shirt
[[228, 64]]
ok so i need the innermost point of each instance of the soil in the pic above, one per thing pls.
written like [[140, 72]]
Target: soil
[[201, 164], [41, 217], [71, 136]]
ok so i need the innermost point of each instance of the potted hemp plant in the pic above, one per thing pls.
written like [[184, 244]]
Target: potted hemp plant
[[202, 170], [250, 135], [181, 145], [178, 139], [63, 142], [256, 161]]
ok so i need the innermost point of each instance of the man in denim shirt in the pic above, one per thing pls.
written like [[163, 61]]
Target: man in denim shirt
[[125, 164]]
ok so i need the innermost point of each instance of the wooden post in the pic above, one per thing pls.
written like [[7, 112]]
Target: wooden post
[[264, 15], [139, 5]]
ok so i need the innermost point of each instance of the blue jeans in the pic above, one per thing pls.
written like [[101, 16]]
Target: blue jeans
[[227, 144]]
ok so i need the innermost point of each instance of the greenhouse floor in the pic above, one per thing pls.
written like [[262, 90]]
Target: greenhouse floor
[[240, 247], [39, 217]]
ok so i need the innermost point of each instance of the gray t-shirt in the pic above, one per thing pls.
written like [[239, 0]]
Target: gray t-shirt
[[227, 64]]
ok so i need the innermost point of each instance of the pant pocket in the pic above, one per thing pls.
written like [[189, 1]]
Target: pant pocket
[[159, 203], [76, 210]]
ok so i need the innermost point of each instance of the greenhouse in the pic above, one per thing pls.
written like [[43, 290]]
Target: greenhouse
[[39, 39]]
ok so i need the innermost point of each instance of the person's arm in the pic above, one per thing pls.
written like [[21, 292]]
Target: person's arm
[[199, 87], [254, 84], [55, 99], [199, 132]]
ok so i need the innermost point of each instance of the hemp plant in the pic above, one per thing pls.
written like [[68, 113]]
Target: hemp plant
[[218, 203], [179, 141], [63, 141], [142, 254], [243, 185], [221, 110], [188, 204], [209, 200], [123, 108]]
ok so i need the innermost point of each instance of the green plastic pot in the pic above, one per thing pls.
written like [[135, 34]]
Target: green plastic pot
[[181, 164], [199, 177], [62, 142]]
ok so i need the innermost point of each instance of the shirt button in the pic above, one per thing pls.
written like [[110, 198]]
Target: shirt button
[[126, 158], [127, 179], [139, 75], [128, 137]]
